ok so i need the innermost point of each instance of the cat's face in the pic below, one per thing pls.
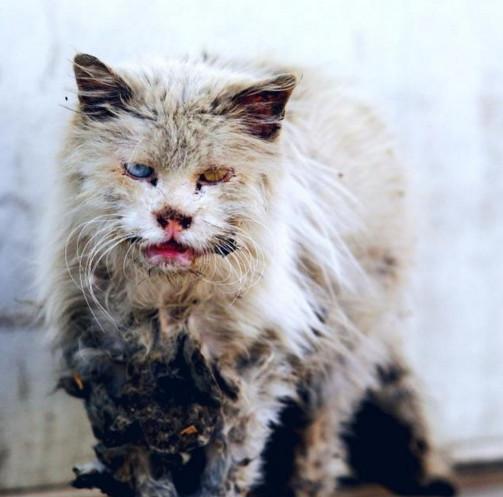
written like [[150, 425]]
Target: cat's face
[[179, 167]]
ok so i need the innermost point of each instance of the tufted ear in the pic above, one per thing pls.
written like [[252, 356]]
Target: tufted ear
[[261, 107], [101, 91]]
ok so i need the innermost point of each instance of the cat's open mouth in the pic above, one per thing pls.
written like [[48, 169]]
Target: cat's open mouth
[[175, 253], [170, 252]]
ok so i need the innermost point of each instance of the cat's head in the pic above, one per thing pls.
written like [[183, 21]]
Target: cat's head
[[174, 164]]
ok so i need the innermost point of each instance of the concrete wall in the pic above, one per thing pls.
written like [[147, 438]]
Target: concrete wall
[[435, 69]]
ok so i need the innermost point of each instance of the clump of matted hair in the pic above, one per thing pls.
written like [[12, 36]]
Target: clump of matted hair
[[152, 413]]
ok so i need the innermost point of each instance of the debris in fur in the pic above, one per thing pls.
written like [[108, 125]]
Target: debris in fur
[[150, 413]]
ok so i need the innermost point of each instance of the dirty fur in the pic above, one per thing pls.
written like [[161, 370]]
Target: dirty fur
[[296, 298]]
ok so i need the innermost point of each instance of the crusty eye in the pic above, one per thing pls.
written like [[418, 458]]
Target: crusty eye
[[139, 171], [215, 175]]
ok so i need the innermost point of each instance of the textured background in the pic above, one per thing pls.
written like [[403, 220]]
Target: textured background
[[434, 68]]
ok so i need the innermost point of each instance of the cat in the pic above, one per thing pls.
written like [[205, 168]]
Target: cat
[[263, 210]]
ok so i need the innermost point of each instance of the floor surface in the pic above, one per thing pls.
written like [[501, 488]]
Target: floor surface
[[473, 482]]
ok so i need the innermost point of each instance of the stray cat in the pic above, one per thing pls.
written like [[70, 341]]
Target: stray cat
[[263, 213]]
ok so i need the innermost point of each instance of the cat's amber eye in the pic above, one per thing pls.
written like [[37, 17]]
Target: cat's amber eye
[[215, 175], [139, 171]]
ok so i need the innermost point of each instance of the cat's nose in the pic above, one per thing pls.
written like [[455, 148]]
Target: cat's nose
[[173, 221]]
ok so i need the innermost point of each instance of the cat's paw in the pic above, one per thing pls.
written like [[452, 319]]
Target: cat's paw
[[441, 487], [95, 475], [434, 487]]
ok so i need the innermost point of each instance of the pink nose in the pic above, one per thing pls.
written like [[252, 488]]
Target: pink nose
[[172, 221], [172, 228]]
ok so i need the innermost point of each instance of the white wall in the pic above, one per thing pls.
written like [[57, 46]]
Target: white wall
[[435, 69]]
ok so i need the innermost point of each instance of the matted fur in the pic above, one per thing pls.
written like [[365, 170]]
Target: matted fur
[[308, 305]]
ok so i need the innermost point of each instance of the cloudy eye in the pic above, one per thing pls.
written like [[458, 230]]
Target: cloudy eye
[[139, 171], [215, 175]]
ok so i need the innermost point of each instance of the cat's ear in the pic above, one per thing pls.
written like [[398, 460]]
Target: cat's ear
[[261, 107], [101, 91]]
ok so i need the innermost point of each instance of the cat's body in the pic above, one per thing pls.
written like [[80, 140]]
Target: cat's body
[[286, 262]]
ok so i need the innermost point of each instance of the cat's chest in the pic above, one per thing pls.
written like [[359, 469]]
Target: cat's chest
[[220, 331], [224, 325]]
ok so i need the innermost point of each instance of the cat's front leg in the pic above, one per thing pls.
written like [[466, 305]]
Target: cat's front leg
[[232, 468], [234, 458], [131, 479], [319, 459]]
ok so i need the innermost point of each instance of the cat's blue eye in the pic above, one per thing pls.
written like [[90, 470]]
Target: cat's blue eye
[[139, 171]]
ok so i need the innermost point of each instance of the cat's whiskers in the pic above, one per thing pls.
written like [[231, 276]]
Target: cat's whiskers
[[80, 229], [238, 272], [90, 248], [107, 245], [130, 248], [81, 254], [243, 255]]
